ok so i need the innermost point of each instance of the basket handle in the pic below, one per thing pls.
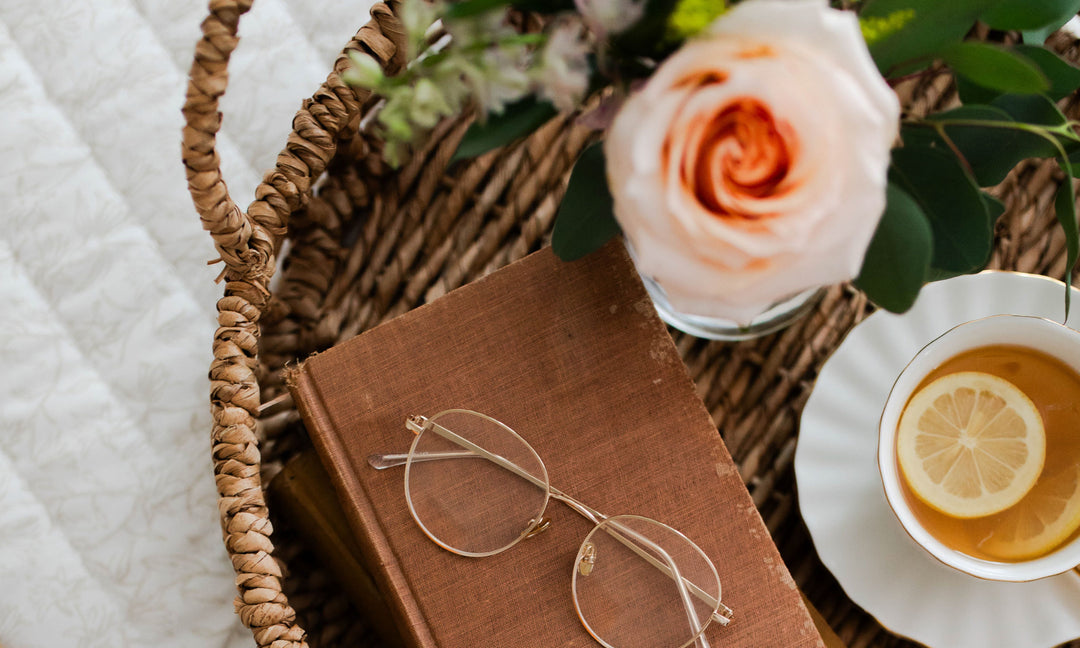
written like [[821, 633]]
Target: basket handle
[[247, 243]]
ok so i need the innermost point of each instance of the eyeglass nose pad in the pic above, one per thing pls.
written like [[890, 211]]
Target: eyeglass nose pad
[[586, 559], [539, 528]]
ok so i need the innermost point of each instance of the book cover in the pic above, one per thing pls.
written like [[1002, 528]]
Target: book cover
[[573, 357]]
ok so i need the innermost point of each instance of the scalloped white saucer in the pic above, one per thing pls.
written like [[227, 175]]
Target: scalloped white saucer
[[843, 504]]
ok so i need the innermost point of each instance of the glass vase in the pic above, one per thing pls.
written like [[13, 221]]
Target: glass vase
[[777, 316]]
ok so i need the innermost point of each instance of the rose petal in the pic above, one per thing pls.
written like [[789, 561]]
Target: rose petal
[[836, 35]]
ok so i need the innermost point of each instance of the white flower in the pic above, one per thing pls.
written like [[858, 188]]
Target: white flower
[[429, 104], [752, 165], [488, 53], [503, 78], [417, 17], [606, 17], [564, 66]]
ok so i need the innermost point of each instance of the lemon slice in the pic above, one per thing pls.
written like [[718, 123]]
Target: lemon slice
[[970, 444], [1042, 521]]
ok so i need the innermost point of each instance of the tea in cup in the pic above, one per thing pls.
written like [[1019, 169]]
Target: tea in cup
[[979, 448]]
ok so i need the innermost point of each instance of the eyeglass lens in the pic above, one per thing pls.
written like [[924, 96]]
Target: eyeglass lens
[[627, 596], [466, 503]]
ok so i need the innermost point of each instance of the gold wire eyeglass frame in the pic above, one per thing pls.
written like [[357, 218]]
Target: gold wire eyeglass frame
[[640, 544]]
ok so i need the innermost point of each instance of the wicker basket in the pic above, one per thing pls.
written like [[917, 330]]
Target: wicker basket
[[366, 243]]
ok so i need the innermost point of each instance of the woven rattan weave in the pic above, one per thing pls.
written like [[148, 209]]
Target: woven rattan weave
[[337, 241]]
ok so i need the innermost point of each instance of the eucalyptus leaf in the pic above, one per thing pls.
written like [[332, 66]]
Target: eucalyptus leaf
[[1039, 36], [994, 209], [517, 120], [586, 218], [994, 67], [1064, 77], [927, 27], [1008, 15], [988, 138], [1031, 109], [973, 93], [972, 113], [898, 260], [962, 228]]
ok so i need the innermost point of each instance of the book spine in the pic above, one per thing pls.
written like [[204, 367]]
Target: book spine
[[303, 493], [378, 557]]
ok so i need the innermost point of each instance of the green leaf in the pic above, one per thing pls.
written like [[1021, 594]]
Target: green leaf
[[1040, 111], [994, 68], [936, 24], [992, 151], [972, 113], [1008, 15], [517, 120], [1064, 78], [973, 93], [962, 228], [1074, 160], [1031, 109], [1065, 210], [994, 207], [586, 216], [1039, 36], [898, 259]]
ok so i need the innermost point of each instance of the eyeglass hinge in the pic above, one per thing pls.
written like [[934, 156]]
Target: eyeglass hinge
[[415, 423], [540, 527]]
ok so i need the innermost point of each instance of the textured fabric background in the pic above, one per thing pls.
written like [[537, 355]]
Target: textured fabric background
[[108, 517]]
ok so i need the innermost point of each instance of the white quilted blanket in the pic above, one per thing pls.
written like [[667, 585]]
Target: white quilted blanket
[[108, 520]]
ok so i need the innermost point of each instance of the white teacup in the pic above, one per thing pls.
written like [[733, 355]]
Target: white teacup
[[1036, 333]]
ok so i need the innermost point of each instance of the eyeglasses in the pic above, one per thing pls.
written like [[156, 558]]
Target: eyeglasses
[[635, 581]]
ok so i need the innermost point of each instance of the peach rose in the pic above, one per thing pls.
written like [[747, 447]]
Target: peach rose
[[752, 164]]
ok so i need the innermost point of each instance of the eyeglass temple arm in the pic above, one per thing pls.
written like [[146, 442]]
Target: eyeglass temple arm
[[416, 425], [391, 460]]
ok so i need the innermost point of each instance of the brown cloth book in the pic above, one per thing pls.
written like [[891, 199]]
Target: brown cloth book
[[574, 358]]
